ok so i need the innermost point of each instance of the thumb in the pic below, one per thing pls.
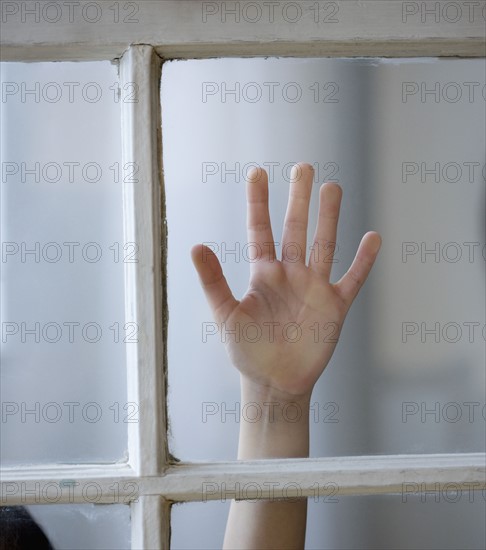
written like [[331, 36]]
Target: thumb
[[218, 293]]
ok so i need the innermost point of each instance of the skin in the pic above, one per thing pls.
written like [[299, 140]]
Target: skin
[[282, 366]]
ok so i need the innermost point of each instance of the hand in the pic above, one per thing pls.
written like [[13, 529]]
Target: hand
[[290, 318]]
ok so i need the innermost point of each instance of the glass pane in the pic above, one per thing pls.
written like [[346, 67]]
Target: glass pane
[[405, 139], [71, 526], [411, 521], [63, 377]]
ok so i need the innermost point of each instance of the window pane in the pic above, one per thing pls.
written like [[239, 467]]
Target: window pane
[[405, 139], [70, 526], [63, 378], [411, 521]]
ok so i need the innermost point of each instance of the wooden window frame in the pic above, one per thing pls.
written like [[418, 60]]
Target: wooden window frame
[[152, 479]]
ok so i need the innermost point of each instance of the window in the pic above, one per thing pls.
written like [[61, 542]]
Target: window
[[140, 36], [388, 389]]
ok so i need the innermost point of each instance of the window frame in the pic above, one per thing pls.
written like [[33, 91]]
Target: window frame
[[152, 479]]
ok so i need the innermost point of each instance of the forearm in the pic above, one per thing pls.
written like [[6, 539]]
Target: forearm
[[274, 426]]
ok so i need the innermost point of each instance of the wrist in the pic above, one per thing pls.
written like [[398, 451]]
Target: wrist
[[273, 424], [260, 392]]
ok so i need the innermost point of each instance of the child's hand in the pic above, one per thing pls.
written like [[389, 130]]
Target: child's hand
[[290, 318]]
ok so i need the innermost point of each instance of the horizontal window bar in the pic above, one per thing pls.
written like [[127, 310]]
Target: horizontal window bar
[[356, 475], [191, 29]]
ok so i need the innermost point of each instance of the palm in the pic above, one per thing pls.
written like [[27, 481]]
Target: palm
[[284, 330]]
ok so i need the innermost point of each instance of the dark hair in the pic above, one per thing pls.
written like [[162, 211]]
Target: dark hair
[[19, 531]]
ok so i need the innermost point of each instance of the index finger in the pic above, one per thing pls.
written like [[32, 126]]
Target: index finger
[[260, 237]]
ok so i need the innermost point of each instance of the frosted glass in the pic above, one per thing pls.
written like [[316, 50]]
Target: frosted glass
[[87, 526], [412, 521], [369, 124], [63, 371]]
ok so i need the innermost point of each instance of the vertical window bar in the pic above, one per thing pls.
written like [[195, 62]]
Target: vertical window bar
[[144, 229]]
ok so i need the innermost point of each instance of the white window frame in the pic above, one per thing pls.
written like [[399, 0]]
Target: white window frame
[[152, 479]]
